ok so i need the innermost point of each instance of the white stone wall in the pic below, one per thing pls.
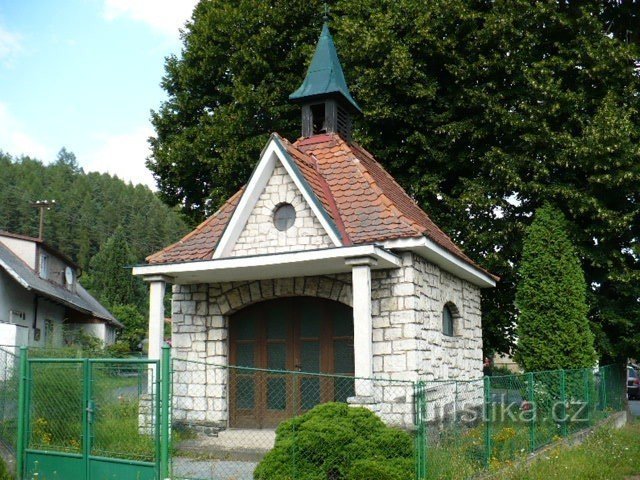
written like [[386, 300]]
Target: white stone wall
[[408, 343], [260, 234]]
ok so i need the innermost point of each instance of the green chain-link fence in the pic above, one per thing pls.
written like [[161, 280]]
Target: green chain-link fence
[[473, 425], [9, 379], [225, 419], [244, 423]]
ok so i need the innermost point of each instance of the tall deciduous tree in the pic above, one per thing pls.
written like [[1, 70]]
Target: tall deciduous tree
[[481, 109], [553, 328]]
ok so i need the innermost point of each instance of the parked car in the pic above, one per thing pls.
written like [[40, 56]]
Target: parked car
[[633, 384]]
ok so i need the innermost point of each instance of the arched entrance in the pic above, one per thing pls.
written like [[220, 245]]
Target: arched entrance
[[304, 334]]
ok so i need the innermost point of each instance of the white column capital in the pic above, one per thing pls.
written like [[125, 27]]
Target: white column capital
[[157, 278], [361, 261]]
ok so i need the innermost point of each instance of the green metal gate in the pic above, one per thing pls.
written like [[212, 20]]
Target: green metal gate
[[91, 419]]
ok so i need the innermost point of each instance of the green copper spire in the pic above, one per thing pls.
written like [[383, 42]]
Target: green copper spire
[[324, 77]]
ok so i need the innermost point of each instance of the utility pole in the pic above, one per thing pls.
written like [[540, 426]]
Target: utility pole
[[43, 205]]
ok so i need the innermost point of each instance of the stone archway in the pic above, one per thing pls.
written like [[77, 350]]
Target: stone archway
[[200, 336]]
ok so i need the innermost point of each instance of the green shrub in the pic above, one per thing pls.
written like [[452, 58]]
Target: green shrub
[[390, 469], [333, 442], [4, 471], [553, 328]]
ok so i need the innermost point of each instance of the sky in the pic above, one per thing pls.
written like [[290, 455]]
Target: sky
[[85, 74]]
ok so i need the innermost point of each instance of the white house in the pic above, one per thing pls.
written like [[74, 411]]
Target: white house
[[40, 296], [321, 263]]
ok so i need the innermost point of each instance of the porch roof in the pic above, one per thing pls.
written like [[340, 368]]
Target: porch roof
[[277, 265]]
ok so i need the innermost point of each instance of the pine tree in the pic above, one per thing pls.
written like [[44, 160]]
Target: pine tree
[[111, 281], [553, 328]]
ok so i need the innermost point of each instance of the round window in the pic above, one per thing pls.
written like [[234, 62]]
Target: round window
[[284, 216]]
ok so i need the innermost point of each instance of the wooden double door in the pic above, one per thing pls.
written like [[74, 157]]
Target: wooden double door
[[270, 340]]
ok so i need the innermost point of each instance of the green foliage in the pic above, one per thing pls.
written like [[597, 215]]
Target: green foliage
[[110, 280], [100, 221], [607, 454], [334, 441], [76, 339], [481, 110], [553, 328], [135, 326], [388, 469], [90, 208], [4, 471]]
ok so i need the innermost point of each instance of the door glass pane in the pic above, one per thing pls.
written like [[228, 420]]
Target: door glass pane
[[245, 327], [277, 356], [310, 392], [311, 323], [245, 355], [276, 393], [310, 357], [245, 392], [276, 329], [342, 323], [277, 311], [343, 361]]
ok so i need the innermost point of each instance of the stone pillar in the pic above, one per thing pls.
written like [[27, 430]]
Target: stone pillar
[[157, 285], [362, 323]]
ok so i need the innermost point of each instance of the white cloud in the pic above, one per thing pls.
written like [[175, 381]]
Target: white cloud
[[122, 155], [16, 141], [10, 45], [165, 16]]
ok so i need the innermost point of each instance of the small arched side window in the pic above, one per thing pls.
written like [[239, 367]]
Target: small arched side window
[[447, 321]]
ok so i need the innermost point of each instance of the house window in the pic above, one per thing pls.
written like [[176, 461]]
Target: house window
[[17, 317], [43, 266], [284, 216], [447, 321]]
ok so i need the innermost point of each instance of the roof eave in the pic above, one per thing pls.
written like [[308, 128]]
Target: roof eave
[[446, 260]]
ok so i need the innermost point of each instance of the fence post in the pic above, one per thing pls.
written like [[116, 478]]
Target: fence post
[[421, 444], [587, 393], [165, 433], [294, 381], [22, 413], [603, 388], [487, 421], [563, 398], [88, 412], [532, 424]]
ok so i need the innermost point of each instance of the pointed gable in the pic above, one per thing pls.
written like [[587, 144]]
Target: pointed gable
[[260, 235]]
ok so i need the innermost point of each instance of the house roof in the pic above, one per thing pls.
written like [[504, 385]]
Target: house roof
[[362, 199], [324, 76], [44, 245], [79, 300]]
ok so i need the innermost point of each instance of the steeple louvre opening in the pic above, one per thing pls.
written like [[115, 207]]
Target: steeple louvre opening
[[327, 104]]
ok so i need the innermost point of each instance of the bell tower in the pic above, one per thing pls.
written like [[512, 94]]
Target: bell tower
[[327, 104]]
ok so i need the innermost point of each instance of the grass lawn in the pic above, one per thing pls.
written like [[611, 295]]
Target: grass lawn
[[607, 454]]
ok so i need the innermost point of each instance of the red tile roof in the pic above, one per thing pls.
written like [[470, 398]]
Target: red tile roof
[[366, 204], [200, 243]]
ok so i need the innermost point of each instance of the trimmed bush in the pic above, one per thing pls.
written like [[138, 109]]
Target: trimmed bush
[[336, 442], [553, 328]]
